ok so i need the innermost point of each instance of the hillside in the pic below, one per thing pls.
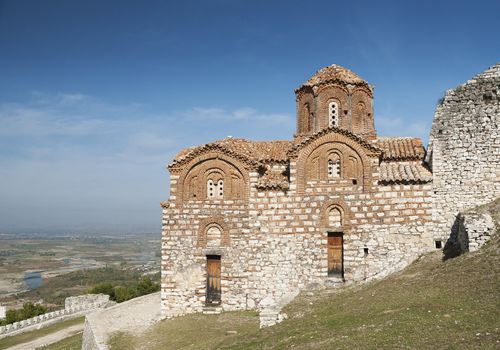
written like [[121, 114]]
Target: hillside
[[431, 304]]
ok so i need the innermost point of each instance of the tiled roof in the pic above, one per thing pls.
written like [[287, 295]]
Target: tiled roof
[[261, 151], [401, 172], [402, 158], [335, 72], [400, 148]]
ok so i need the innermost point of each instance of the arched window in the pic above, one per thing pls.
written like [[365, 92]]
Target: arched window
[[333, 114], [334, 166], [210, 189], [215, 190], [335, 217]]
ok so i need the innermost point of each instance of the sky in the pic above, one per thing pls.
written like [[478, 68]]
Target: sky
[[96, 97]]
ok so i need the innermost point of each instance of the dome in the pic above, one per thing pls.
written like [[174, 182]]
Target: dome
[[335, 73]]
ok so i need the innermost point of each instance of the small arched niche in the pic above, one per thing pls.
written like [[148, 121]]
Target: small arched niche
[[335, 217], [213, 233]]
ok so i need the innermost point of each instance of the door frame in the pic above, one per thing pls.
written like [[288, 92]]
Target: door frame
[[209, 302], [336, 233]]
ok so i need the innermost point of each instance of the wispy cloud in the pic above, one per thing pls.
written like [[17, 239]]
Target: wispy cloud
[[241, 114], [74, 160], [395, 126]]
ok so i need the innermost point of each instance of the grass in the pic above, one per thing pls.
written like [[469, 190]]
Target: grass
[[432, 304], [72, 343], [29, 336]]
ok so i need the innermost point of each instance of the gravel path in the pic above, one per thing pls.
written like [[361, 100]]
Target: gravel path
[[49, 338]]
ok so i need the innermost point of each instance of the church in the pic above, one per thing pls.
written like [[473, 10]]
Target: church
[[250, 223]]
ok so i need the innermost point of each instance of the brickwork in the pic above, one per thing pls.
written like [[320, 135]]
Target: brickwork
[[270, 227], [335, 205]]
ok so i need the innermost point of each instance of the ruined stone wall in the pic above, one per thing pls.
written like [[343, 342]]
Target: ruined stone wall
[[464, 149], [278, 242]]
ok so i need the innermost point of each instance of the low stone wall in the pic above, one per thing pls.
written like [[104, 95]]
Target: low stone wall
[[474, 231], [132, 316], [85, 301], [471, 230], [73, 310]]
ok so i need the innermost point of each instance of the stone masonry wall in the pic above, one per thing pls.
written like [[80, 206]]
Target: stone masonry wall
[[464, 149], [277, 245]]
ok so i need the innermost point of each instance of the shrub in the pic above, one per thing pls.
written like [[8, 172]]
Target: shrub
[[29, 310]]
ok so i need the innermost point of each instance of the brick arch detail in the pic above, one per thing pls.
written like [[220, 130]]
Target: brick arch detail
[[205, 224], [205, 162], [332, 137], [325, 209], [324, 95], [305, 121], [362, 124]]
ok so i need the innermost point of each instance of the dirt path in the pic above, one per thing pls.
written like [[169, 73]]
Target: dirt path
[[49, 338]]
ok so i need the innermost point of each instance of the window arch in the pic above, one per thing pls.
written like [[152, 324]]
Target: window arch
[[333, 114]]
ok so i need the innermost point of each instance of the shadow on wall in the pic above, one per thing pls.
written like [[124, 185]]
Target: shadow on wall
[[456, 243]]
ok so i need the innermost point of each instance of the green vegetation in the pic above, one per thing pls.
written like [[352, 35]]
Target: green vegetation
[[54, 290], [122, 293], [71, 343], [29, 336], [432, 304], [29, 310]]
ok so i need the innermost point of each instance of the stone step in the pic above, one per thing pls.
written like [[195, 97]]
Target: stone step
[[212, 310]]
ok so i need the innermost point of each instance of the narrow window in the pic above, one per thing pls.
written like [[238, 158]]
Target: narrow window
[[333, 114], [439, 244], [365, 251], [210, 189], [334, 166], [220, 189]]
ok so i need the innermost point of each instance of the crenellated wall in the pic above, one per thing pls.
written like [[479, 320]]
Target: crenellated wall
[[74, 307]]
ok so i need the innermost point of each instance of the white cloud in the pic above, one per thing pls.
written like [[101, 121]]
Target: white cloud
[[396, 126], [74, 161], [247, 114]]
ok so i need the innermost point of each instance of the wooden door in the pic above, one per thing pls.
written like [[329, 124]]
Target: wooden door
[[335, 254], [213, 280]]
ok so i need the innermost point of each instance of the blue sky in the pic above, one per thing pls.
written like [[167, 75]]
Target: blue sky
[[96, 96]]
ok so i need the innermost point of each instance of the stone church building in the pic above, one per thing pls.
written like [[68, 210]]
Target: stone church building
[[250, 223]]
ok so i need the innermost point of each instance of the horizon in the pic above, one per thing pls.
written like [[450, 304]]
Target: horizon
[[97, 98]]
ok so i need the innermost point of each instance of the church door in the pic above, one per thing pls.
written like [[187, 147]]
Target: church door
[[335, 254], [213, 280]]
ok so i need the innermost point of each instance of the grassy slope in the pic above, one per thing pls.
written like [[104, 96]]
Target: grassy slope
[[72, 343], [431, 304]]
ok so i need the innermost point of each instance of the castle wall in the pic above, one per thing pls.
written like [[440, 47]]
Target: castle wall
[[464, 149], [278, 241]]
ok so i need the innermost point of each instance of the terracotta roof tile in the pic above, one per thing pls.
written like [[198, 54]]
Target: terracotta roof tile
[[400, 148], [335, 72], [397, 172], [262, 151]]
